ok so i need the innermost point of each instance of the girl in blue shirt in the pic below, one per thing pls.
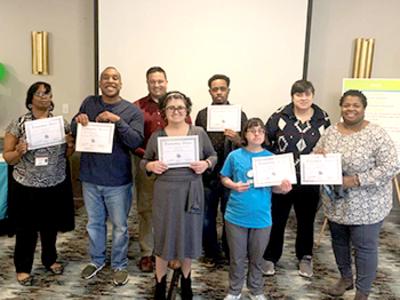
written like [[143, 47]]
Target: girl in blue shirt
[[248, 212]]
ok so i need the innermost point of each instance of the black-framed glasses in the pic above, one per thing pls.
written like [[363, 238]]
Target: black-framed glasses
[[179, 109], [255, 131]]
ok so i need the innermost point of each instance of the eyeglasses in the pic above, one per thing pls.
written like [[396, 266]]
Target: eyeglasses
[[179, 109], [221, 88], [255, 131], [42, 95]]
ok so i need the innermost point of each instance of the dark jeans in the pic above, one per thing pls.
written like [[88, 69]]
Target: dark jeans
[[365, 240], [304, 199], [213, 194], [25, 244]]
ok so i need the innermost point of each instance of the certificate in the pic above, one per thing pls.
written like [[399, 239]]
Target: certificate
[[271, 170], [95, 137], [178, 151], [321, 169], [45, 132], [221, 117]]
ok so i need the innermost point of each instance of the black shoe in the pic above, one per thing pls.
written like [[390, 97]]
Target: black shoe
[[186, 288], [161, 288]]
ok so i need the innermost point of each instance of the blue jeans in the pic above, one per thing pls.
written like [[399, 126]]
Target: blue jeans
[[365, 240], [102, 202]]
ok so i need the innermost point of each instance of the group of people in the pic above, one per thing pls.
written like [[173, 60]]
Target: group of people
[[178, 207]]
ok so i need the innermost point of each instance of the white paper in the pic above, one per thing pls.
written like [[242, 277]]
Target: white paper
[[271, 170], [178, 151], [95, 137], [321, 169], [221, 117], [44, 133]]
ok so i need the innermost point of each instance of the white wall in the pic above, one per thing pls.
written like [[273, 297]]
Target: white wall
[[70, 25], [335, 26], [259, 44]]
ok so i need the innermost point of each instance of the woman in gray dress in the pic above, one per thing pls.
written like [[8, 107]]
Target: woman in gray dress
[[178, 195]]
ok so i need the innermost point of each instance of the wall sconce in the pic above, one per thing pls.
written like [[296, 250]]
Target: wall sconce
[[363, 56], [40, 53]]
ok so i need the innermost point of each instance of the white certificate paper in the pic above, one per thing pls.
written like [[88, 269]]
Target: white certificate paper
[[95, 137], [271, 170], [320, 169], [178, 151], [45, 132], [221, 117]]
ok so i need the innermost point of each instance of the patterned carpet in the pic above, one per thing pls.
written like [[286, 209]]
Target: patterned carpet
[[208, 283]]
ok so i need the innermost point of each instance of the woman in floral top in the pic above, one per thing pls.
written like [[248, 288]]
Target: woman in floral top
[[369, 162]]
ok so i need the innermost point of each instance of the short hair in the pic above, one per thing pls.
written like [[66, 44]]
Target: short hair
[[155, 69], [33, 89], [174, 95], [302, 86], [253, 122], [110, 67], [354, 93], [219, 76]]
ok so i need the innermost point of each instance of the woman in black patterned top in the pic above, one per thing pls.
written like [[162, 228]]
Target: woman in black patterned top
[[40, 192], [295, 128], [369, 162]]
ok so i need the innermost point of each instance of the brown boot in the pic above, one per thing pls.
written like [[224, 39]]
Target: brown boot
[[360, 296], [341, 286]]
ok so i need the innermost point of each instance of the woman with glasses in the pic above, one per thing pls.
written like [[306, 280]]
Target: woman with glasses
[[248, 213], [369, 160], [178, 195], [40, 191]]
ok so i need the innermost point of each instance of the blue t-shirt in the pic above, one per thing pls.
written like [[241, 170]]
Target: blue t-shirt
[[252, 208]]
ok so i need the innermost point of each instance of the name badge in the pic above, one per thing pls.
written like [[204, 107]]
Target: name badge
[[41, 161]]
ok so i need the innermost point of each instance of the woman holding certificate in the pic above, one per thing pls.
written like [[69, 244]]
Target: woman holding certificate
[[248, 212], [40, 193], [177, 155], [295, 128], [369, 162]]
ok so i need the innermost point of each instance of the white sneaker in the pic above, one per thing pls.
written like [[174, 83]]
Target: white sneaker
[[257, 297], [268, 268], [233, 297], [306, 266]]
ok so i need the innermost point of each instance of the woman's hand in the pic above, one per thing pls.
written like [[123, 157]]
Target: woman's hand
[[319, 151], [284, 188], [350, 181], [199, 166], [241, 186], [82, 119], [156, 167], [21, 147]]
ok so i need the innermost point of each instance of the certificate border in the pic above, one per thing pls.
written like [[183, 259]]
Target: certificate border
[[161, 139], [210, 108], [258, 184], [60, 126], [319, 182], [78, 146]]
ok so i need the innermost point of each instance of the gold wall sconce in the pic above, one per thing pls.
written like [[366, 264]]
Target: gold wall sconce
[[363, 57], [40, 53]]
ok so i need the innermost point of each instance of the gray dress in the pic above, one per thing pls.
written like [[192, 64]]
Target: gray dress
[[178, 202]]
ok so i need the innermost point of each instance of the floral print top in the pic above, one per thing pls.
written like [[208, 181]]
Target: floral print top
[[371, 154]]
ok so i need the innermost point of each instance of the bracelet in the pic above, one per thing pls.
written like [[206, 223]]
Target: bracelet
[[209, 163]]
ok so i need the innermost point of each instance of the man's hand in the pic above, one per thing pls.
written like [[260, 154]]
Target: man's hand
[[82, 119], [107, 116], [233, 136]]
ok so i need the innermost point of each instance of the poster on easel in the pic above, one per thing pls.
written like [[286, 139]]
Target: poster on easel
[[383, 103]]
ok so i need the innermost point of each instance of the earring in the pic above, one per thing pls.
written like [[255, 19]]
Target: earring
[[30, 106]]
